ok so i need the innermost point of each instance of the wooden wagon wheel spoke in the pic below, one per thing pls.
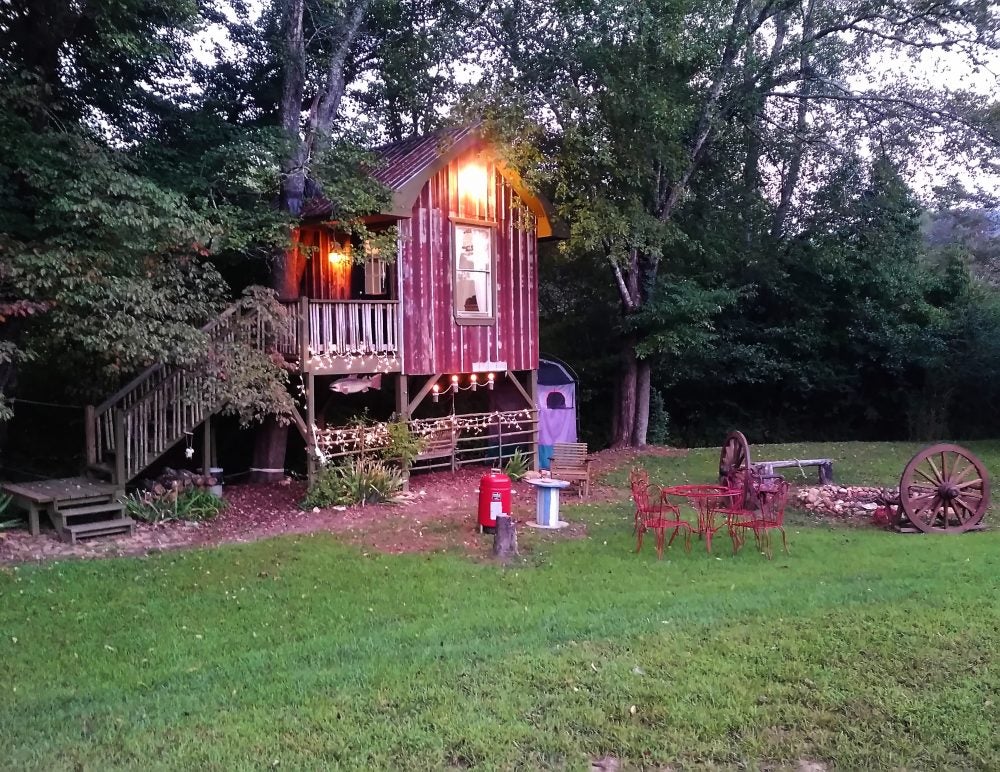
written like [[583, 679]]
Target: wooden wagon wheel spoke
[[937, 475], [936, 493], [966, 507], [927, 477], [957, 478]]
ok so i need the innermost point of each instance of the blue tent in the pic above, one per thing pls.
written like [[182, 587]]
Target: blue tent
[[557, 416]]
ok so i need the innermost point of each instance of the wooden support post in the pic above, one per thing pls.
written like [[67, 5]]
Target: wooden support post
[[424, 391], [527, 397], [403, 414], [303, 333], [533, 390], [311, 427], [206, 446], [90, 433], [120, 449], [826, 473]]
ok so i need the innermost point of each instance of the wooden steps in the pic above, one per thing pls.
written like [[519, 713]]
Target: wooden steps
[[88, 516], [101, 528]]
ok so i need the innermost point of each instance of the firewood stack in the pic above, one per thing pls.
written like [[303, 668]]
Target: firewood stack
[[176, 480]]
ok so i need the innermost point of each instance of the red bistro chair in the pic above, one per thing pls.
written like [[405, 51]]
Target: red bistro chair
[[654, 514], [638, 480], [770, 498]]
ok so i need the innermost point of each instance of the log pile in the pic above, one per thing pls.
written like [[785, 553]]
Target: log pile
[[847, 502], [173, 481]]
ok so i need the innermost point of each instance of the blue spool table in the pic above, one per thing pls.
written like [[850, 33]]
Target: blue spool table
[[547, 508]]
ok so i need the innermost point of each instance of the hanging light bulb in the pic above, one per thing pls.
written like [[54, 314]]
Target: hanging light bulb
[[489, 380], [454, 384], [435, 391], [474, 378]]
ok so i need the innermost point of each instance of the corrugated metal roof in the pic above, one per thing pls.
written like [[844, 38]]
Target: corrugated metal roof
[[397, 164], [400, 162]]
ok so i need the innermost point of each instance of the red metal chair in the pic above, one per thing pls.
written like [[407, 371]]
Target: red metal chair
[[655, 514], [770, 498], [638, 479]]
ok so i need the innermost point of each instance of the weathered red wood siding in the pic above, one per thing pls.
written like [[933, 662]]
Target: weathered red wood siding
[[433, 342]]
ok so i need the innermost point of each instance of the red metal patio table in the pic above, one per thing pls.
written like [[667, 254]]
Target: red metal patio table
[[711, 502]]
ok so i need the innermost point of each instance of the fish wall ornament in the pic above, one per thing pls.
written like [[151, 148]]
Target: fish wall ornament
[[355, 384]]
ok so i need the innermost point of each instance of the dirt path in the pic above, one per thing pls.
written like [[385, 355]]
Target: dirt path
[[439, 513]]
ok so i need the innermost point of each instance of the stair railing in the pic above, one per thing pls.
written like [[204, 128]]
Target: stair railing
[[152, 413]]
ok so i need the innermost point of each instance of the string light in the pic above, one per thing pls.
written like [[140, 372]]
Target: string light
[[333, 441], [435, 392]]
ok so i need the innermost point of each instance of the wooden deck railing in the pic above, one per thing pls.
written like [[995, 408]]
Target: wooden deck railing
[[342, 328]]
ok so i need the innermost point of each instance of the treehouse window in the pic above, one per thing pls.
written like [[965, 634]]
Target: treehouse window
[[475, 283]]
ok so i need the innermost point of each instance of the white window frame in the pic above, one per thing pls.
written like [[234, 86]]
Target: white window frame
[[462, 316]]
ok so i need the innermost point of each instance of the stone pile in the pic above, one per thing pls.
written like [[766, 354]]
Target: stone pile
[[848, 502]]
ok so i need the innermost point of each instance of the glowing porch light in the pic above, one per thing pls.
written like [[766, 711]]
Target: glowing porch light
[[474, 379], [436, 390], [489, 380], [472, 181], [338, 255], [454, 384]]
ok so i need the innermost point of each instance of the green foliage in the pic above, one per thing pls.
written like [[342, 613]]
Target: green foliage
[[191, 505], [517, 466], [361, 481], [403, 446], [659, 420]]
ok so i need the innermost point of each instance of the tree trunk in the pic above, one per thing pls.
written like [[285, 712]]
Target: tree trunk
[[269, 452], [505, 538], [642, 387], [304, 143], [628, 398]]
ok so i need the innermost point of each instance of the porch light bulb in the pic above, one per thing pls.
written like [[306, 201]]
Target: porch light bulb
[[489, 379], [454, 383], [474, 378], [336, 256], [472, 181], [436, 390]]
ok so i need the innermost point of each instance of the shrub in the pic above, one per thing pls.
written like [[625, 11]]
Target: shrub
[[517, 466], [194, 505], [358, 482], [403, 446]]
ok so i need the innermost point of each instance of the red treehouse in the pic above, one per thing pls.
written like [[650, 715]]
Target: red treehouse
[[449, 327]]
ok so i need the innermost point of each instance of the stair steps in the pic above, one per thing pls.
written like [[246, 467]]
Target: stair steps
[[100, 528], [90, 516]]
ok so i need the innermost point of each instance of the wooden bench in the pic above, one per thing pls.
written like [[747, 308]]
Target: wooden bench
[[439, 444], [824, 467], [570, 462]]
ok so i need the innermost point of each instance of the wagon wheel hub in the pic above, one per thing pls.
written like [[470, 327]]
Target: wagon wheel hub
[[948, 491]]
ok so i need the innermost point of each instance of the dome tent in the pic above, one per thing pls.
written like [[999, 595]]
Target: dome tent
[[556, 397]]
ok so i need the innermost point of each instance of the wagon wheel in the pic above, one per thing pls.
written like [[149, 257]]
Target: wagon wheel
[[734, 464], [944, 489]]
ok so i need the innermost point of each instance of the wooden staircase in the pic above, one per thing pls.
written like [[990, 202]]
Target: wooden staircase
[[130, 431], [134, 427]]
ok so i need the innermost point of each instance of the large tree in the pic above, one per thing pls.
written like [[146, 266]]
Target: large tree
[[633, 102]]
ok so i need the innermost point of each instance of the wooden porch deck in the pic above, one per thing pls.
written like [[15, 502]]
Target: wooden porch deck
[[71, 498], [331, 337]]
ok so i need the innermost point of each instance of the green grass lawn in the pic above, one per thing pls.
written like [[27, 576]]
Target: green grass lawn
[[860, 649]]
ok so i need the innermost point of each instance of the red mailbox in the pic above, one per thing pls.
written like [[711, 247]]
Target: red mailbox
[[494, 499]]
